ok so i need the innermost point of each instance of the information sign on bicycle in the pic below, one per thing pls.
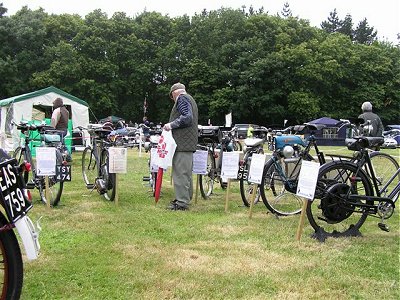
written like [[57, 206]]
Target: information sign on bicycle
[[230, 165], [46, 161], [12, 191], [200, 162], [63, 172], [256, 168], [118, 160]]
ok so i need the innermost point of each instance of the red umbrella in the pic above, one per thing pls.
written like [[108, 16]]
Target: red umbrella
[[158, 184]]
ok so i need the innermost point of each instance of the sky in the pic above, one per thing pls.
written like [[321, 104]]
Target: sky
[[383, 15]]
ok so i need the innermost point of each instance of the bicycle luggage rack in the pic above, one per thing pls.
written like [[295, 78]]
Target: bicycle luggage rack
[[209, 134]]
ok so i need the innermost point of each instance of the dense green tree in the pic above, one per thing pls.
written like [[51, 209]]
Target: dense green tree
[[263, 68], [365, 34]]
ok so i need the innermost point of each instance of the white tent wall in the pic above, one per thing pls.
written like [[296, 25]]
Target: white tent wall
[[22, 110]]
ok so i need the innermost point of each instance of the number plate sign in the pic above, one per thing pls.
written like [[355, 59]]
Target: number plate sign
[[242, 173], [63, 173], [12, 190]]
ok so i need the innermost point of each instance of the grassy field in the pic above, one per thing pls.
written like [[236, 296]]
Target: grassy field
[[95, 249]]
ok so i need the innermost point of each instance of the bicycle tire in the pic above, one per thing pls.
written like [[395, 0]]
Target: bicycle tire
[[20, 155], [384, 167], [237, 146], [330, 211], [89, 167], [109, 178], [246, 188], [11, 263], [55, 186], [206, 182], [274, 194]]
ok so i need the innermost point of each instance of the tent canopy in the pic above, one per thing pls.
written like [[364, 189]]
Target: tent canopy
[[21, 108], [325, 121]]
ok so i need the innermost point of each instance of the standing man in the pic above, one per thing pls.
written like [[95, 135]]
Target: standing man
[[59, 120], [375, 128], [60, 116], [183, 122]]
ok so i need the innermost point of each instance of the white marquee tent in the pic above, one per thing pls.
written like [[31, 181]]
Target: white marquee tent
[[21, 107]]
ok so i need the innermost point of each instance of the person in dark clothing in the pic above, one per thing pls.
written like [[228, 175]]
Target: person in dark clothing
[[183, 122], [60, 116], [375, 126], [59, 120]]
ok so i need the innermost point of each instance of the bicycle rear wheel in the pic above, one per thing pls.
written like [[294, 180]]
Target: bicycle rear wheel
[[109, 178], [273, 191], [89, 167], [332, 211], [206, 183], [384, 167], [11, 265], [55, 186]]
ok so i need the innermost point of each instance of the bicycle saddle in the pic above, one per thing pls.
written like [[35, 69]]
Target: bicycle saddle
[[359, 143]]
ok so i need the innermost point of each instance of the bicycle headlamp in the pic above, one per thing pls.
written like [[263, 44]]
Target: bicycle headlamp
[[287, 151]]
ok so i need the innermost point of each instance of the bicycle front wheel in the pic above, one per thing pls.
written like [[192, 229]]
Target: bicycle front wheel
[[206, 183], [246, 187], [109, 178], [55, 186], [11, 268], [20, 155], [274, 193], [333, 211], [89, 167], [385, 166]]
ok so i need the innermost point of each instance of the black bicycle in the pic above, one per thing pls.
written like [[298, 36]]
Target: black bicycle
[[95, 162], [212, 140], [349, 191], [50, 137], [251, 146]]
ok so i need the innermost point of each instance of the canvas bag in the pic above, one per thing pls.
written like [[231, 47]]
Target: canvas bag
[[165, 150]]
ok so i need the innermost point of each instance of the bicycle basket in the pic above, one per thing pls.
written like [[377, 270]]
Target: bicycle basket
[[210, 134]]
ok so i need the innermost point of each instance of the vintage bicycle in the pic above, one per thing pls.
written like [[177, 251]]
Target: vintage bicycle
[[95, 162], [211, 140], [49, 137], [347, 192]]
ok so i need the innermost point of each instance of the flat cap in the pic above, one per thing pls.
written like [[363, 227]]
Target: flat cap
[[177, 86]]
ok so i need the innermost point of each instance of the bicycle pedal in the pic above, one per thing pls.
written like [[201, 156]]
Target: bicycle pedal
[[90, 186], [146, 178], [383, 226]]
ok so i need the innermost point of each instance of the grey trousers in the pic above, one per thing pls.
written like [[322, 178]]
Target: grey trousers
[[182, 165]]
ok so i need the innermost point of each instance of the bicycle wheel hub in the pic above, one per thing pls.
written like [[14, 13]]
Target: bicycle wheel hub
[[334, 205], [101, 186]]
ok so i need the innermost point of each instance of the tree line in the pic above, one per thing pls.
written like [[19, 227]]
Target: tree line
[[263, 68]]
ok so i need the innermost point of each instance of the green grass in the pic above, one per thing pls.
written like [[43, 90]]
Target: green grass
[[95, 249]]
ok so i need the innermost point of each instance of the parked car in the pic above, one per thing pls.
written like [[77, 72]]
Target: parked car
[[389, 143], [241, 130]]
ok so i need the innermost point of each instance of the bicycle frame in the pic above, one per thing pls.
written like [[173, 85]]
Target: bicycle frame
[[291, 184], [393, 195]]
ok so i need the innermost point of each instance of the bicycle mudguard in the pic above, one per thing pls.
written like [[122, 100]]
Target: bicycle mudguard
[[285, 140], [29, 235]]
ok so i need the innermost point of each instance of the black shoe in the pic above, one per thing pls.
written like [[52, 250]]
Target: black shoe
[[176, 206]]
